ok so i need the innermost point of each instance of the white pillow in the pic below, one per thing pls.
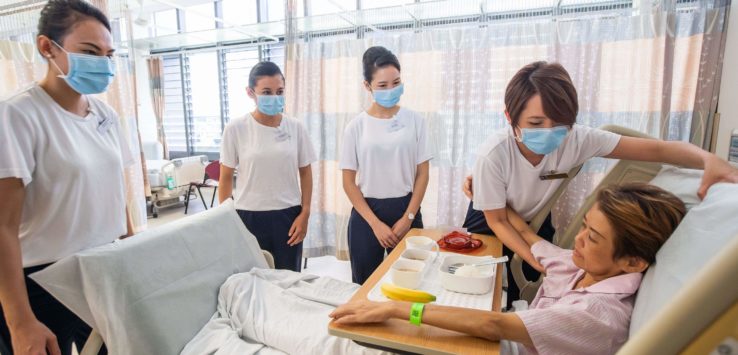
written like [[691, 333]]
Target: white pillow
[[683, 183], [705, 230]]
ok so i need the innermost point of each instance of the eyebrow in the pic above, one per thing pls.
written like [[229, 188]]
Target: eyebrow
[[590, 227], [96, 47]]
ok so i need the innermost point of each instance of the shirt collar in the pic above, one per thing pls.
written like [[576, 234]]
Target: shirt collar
[[622, 284]]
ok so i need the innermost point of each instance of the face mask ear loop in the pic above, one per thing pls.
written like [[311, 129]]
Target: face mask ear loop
[[61, 73], [518, 139]]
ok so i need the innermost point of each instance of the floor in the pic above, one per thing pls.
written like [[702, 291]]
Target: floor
[[321, 266]]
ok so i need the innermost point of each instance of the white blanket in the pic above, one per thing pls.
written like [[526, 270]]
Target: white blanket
[[274, 312]]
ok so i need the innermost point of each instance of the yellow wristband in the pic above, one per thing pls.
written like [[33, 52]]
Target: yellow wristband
[[416, 313]]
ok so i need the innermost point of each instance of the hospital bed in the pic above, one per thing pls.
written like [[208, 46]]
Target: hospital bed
[[159, 288], [183, 171]]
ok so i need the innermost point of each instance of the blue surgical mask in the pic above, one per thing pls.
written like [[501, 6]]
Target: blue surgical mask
[[270, 104], [389, 98], [543, 140], [88, 74]]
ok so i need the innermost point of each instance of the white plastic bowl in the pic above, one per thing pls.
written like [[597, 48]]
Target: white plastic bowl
[[476, 285]]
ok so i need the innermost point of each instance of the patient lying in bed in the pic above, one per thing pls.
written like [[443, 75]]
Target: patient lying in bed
[[586, 299]]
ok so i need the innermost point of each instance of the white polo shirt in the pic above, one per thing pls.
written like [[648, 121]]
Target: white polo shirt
[[268, 161], [72, 170], [385, 152], [502, 175]]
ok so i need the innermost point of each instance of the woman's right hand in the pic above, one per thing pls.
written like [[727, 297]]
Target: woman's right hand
[[467, 187], [33, 338], [387, 239]]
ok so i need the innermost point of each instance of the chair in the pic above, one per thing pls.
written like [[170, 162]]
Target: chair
[[624, 171], [211, 178]]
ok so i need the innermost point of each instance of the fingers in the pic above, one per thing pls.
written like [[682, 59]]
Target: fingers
[[52, 346], [702, 191], [297, 237], [350, 319], [293, 229]]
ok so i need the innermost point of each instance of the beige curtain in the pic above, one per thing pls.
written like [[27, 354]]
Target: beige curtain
[[156, 84]]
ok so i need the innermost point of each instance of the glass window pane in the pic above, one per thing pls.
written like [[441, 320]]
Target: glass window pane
[[166, 22], [239, 12], [238, 64], [331, 7], [373, 4], [174, 118], [205, 102], [200, 17], [275, 10]]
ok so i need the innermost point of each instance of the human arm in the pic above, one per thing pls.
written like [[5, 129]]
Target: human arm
[[384, 234], [419, 187], [29, 336], [298, 230], [511, 236], [484, 324], [225, 183], [677, 153]]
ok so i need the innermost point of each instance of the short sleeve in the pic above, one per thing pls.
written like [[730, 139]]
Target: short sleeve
[[424, 151], [594, 142], [580, 328], [488, 184], [555, 260], [17, 139], [229, 146], [306, 152], [349, 152]]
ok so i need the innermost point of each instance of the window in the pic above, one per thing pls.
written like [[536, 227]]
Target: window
[[200, 17], [165, 22], [331, 7], [373, 4], [239, 12], [203, 102], [238, 64], [174, 114]]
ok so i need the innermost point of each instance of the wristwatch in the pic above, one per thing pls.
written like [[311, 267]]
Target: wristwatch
[[411, 216]]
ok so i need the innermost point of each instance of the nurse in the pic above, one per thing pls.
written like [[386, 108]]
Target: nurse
[[272, 154], [386, 147], [521, 166], [62, 158]]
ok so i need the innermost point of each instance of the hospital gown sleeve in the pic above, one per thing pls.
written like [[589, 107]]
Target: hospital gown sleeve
[[305, 151], [17, 137], [349, 153], [424, 151], [229, 146], [580, 328], [555, 260], [489, 186]]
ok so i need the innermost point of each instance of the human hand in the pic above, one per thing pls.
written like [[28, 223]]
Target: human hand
[[298, 230], [716, 170], [362, 311], [467, 187], [33, 338], [385, 235]]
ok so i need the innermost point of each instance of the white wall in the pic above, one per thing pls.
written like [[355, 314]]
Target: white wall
[[728, 104]]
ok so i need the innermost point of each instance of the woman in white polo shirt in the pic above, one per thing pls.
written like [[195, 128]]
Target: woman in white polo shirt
[[273, 154], [62, 159], [386, 147]]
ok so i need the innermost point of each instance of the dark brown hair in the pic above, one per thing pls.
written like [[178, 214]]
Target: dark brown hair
[[58, 18], [549, 80], [378, 57], [642, 216]]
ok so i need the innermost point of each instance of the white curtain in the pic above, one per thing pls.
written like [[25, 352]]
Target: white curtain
[[654, 71]]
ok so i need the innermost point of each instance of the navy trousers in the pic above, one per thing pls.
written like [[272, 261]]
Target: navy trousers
[[271, 229], [475, 223], [67, 327], [364, 249]]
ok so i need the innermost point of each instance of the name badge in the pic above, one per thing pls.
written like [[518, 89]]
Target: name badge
[[281, 136], [552, 175], [395, 126], [104, 125]]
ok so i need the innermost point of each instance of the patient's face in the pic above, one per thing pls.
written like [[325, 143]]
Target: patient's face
[[594, 246]]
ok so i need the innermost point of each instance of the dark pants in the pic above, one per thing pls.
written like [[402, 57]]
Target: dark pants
[[476, 223], [272, 229], [67, 327], [364, 249]]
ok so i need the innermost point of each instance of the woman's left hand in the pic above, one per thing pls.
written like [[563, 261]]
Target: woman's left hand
[[362, 311], [299, 229], [716, 170], [401, 227]]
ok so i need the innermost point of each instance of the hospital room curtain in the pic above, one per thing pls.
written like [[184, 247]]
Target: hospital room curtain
[[653, 69], [156, 73], [21, 65]]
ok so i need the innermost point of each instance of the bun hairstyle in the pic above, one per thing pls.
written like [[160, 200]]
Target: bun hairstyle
[[263, 69], [378, 57], [58, 18]]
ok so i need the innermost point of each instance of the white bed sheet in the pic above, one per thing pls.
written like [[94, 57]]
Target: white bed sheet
[[276, 311]]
